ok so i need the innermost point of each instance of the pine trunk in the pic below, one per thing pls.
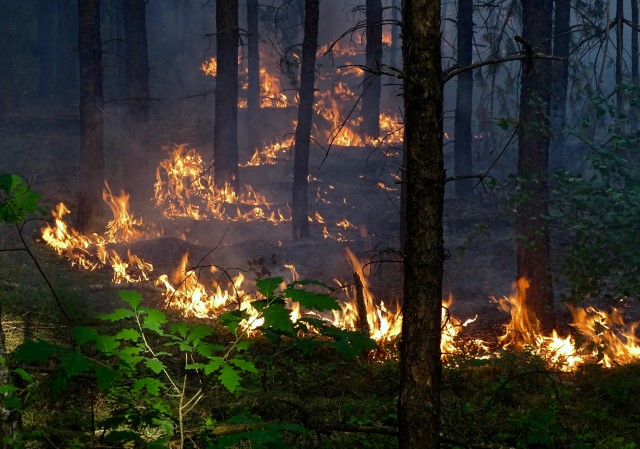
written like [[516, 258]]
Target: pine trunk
[[300, 216], [532, 245], [225, 140], [372, 83], [420, 365], [91, 119], [464, 99], [560, 79], [253, 95]]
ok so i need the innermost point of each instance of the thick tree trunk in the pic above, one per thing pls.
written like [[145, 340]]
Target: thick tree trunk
[[395, 32], [619, 56], [46, 46], [560, 79], [253, 94], [225, 140], [66, 74], [137, 169], [464, 98], [372, 83], [299, 213], [91, 119], [420, 365], [532, 245]]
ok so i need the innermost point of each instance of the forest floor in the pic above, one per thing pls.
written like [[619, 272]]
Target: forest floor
[[508, 399]]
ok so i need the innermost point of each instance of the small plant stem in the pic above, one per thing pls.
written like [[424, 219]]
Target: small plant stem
[[150, 349], [180, 410]]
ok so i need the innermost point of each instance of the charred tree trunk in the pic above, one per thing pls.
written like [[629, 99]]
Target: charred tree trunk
[[532, 245], [137, 173], [46, 46], [395, 32], [464, 98], [372, 83], [118, 45], [635, 75], [253, 95], [420, 365], [66, 75], [619, 56], [560, 79], [225, 139], [299, 213], [91, 119]]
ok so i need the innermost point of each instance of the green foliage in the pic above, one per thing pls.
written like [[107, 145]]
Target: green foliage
[[17, 200], [600, 212]]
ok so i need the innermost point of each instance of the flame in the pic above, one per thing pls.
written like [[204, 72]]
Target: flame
[[184, 187]]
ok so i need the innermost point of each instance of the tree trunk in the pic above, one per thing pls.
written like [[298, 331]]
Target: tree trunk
[[91, 119], [619, 56], [46, 46], [560, 79], [225, 140], [395, 32], [6, 61], [372, 83], [66, 74], [299, 203], [635, 76], [532, 245], [464, 98], [253, 94], [137, 170], [118, 34], [420, 365]]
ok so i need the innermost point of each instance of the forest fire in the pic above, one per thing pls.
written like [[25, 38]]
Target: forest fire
[[602, 337]]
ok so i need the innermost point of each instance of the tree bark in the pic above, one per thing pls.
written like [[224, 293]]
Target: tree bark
[[635, 75], [253, 94], [91, 119], [137, 169], [619, 56], [225, 140], [532, 245], [560, 79], [66, 74], [299, 203], [420, 364], [464, 99], [372, 83], [395, 32], [45, 10]]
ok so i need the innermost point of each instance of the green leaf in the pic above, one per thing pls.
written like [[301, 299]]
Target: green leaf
[[229, 378], [243, 345], [12, 403], [278, 318], [153, 386], [213, 365], [107, 344], [83, 334], [59, 383], [244, 365], [181, 328], [267, 286], [154, 319], [198, 333], [117, 315], [105, 376], [130, 356], [128, 334], [207, 349], [154, 365], [131, 297], [24, 375], [8, 389], [312, 300], [74, 363], [231, 320], [37, 351], [349, 344]]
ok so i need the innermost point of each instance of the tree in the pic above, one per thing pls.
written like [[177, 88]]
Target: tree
[[66, 73], [225, 139], [91, 119], [299, 203], [635, 73], [253, 94], [464, 98], [45, 10], [420, 364], [137, 174], [372, 83], [560, 78], [6, 61], [533, 252]]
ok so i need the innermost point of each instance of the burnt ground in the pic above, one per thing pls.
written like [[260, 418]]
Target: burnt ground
[[43, 147]]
